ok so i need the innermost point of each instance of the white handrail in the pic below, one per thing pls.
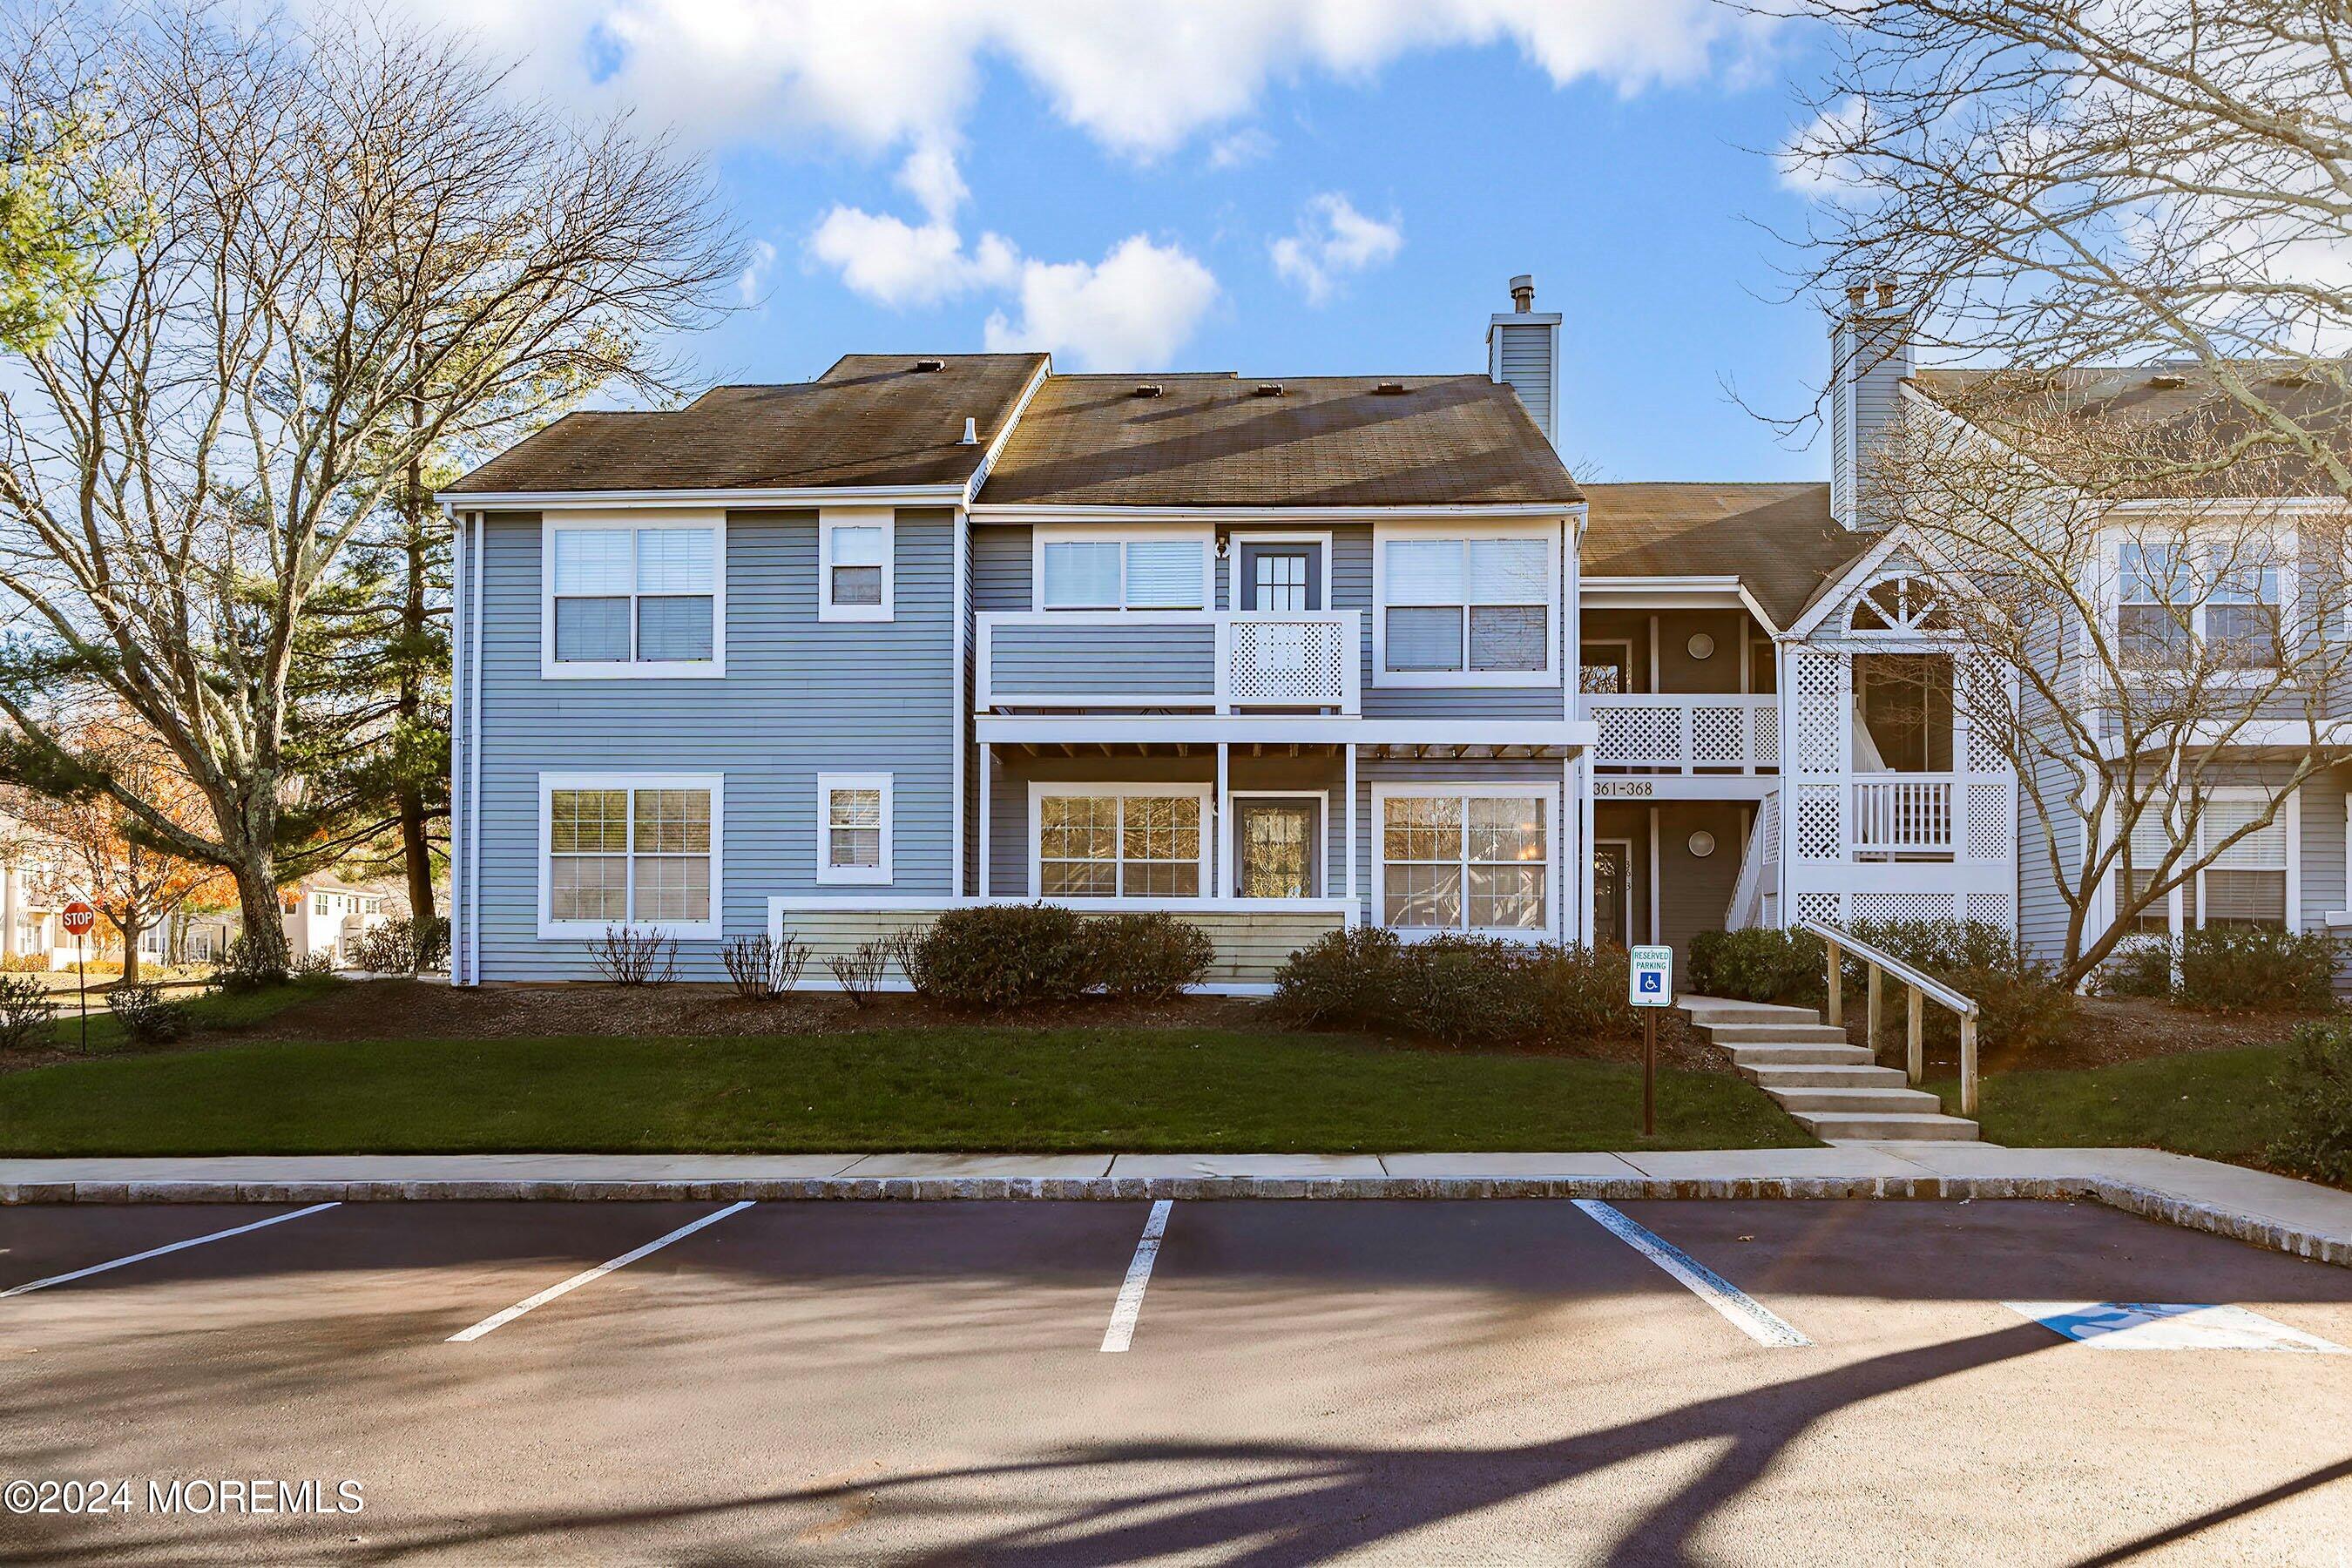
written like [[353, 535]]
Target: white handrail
[[1923, 985]]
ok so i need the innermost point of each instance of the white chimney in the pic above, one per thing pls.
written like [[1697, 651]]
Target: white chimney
[[1870, 355], [1523, 353]]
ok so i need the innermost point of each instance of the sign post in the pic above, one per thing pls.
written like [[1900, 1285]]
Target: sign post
[[78, 918], [1650, 985]]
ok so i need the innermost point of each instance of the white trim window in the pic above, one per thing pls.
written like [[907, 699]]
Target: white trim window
[[1473, 858], [2252, 883], [1118, 841], [852, 827], [857, 563], [640, 849], [645, 598], [1467, 609], [1121, 569], [2223, 595]]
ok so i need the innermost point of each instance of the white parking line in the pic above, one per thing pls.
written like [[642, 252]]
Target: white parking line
[[1139, 1274], [585, 1275], [1751, 1318], [160, 1251]]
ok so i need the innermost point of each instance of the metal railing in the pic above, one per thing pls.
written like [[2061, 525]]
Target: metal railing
[[1924, 988]]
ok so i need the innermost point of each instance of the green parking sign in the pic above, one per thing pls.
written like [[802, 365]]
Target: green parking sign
[[1651, 980]]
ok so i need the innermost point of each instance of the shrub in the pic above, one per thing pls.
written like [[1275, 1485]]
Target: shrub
[[1580, 994], [402, 946], [1760, 964], [2254, 969], [148, 1017], [315, 965], [24, 963], [27, 1012], [631, 955], [2316, 1095], [2143, 967], [1459, 989], [1003, 955], [245, 966], [1347, 978], [1146, 957], [2018, 1003], [858, 972], [761, 968]]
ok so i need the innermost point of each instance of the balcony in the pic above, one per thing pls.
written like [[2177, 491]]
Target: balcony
[[1903, 814], [1188, 660], [1687, 734]]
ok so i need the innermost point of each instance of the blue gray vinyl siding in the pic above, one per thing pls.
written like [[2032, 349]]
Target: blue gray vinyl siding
[[800, 697], [1148, 658]]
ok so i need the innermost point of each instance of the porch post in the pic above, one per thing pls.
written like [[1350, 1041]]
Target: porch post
[[1347, 839], [987, 766], [1220, 877], [1588, 875]]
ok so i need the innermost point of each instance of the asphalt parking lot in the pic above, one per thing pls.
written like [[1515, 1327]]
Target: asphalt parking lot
[[1261, 1382]]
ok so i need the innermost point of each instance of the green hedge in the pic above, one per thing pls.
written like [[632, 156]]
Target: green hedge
[[1462, 990], [2230, 969]]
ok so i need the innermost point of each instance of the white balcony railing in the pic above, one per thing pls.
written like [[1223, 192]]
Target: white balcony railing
[[1193, 660], [1685, 733], [1897, 814]]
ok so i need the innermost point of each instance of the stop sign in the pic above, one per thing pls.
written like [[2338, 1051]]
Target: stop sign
[[78, 918]]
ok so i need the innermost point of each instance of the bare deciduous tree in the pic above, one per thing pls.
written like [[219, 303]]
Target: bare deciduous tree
[[356, 250]]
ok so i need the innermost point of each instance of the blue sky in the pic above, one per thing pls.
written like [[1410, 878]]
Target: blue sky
[[1119, 187]]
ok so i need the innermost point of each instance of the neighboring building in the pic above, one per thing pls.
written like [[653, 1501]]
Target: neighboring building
[[326, 916], [829, 658], [33, 888]]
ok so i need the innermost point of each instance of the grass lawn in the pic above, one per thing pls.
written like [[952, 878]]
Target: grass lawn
[[2216, 1103], [208, 1009], [940, 1089]]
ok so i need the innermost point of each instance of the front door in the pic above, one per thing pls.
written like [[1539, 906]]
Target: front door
[[1274, 849], [1281, 576], [1612, 892]]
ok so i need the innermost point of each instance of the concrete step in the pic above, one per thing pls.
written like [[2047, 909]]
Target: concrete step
[[1706, 1010], [1836, 1126], [1832, 1076], [1772, 1033], [1822, 1056], [1897, 1101]]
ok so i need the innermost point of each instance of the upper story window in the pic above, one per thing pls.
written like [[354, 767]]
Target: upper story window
[[2223, 597], [1126, 569], [1465, 610], [647, 599], [856, 575]]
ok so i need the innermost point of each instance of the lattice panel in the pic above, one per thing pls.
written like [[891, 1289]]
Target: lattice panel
[[1818, 835], [1906, 905], [1639, 734], [1821, 698], [1993, 907], [1766, 722], [1984, 709], [1287, 664], [1989, 822], [1768, 829], [1822, 906], [1716, 736]]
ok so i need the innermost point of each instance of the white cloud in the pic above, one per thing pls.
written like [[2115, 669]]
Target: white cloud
[[899, 264], [1141, 76], [1333, 238], [931, 176], [754, 281], [1813, 162], [1243, 146], [1133, 309]]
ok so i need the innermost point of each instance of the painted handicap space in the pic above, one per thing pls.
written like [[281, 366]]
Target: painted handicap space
[[2170, 1326]]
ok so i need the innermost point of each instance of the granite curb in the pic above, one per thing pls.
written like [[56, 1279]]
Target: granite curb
[[2128, 1197]]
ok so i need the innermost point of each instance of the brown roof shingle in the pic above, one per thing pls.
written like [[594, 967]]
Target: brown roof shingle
[[872, 420], [1779, 539], [1211, 441]]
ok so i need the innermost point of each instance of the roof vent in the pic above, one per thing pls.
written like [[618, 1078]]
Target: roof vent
[[1147, 389], [2167, 383], [924, 366], [1390, 389], [1269, 389], [971, 432]]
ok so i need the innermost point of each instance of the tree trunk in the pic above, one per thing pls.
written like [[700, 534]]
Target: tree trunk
[[130, 925], [414, 850], [265, 922]]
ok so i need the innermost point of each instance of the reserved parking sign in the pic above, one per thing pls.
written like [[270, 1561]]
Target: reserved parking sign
[[1651, 982]]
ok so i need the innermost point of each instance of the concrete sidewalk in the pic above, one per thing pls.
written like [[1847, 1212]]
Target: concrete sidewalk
[[2269, 1211]]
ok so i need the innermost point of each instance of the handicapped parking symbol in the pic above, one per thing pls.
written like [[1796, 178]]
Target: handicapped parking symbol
[[1651, 981]]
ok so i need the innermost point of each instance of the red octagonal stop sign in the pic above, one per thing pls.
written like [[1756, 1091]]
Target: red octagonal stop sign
[[78, 918]]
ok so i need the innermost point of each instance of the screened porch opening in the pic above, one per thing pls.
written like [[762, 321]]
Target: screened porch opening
[[1901, 756]]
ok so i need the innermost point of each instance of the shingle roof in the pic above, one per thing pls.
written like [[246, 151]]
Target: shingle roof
[[2172, 411], [1213, 441], [1779, 539], [872, 420]]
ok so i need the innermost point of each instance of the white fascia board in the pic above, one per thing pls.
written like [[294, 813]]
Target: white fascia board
[[1692, 593], [2270, 734], [1318, 730], [979, 480], [1017, 511], [804, 496]]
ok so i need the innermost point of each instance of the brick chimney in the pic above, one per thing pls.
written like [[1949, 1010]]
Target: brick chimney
[[1523, 353], [1869, 355]]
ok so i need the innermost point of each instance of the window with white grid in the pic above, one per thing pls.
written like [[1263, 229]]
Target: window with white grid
[[1472, 610], [1465, 861], [853, 828], [636, 851], [635, 600], [1122, 570], [857, 578], [1104, 841]]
